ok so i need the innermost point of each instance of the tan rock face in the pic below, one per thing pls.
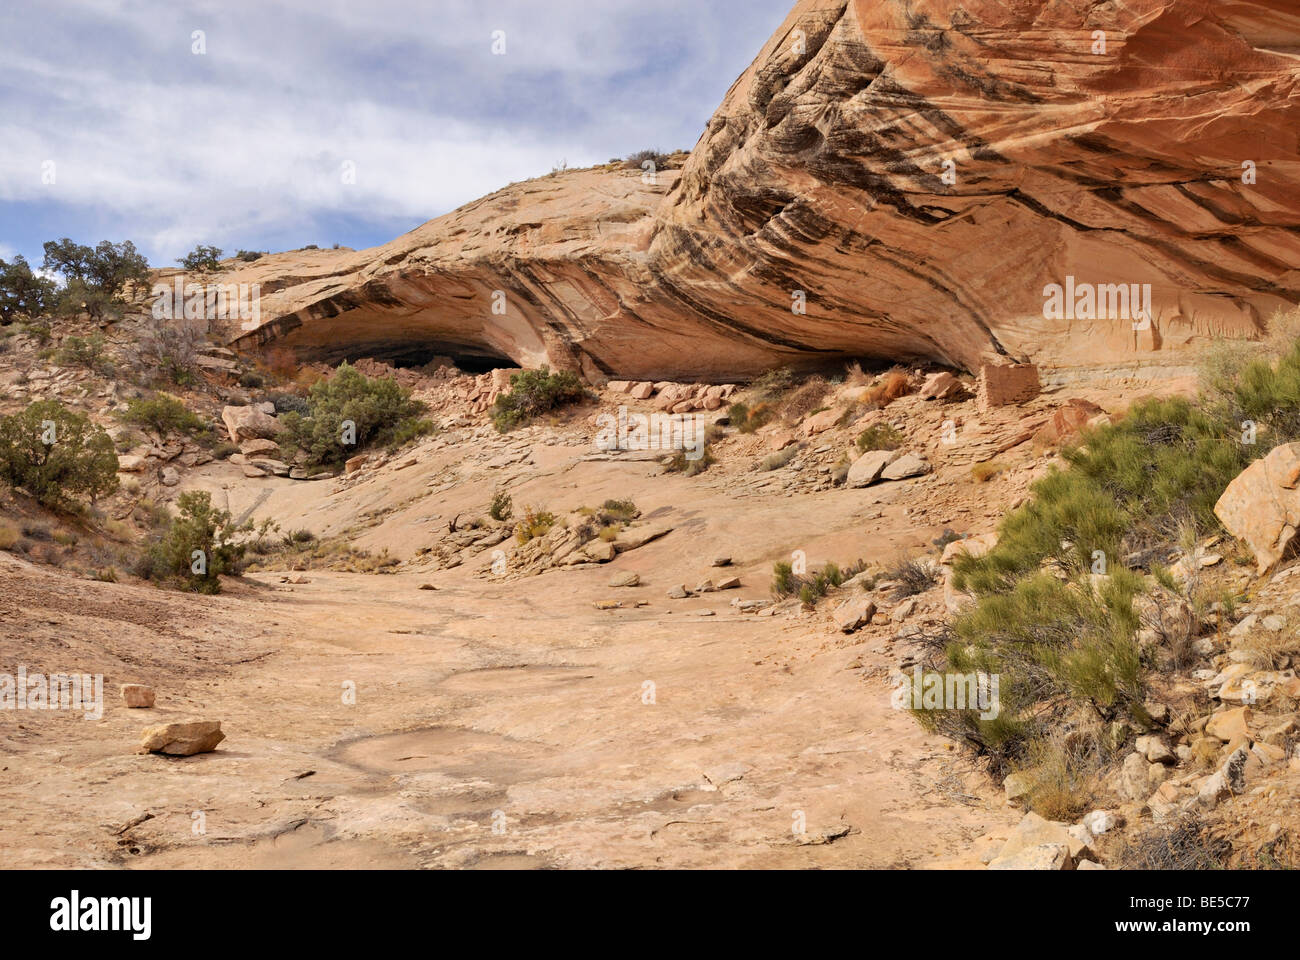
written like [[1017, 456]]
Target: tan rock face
[[922, 178], [1262, 504]]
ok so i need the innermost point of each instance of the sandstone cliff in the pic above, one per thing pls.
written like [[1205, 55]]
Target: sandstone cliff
[[919, 169]]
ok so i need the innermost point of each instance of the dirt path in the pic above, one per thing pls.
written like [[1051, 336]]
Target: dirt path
[[512, 727]]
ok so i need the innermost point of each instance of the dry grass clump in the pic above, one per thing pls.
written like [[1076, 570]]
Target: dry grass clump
[[984, 472]]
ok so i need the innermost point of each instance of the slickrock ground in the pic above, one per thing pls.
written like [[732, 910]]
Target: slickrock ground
[[477, 697], [920, 171]]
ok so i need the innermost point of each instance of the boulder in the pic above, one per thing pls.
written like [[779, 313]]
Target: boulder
[[130, 463], [1043, 856], [627, 579], [1261, 506], [867, 468], [182, 739], [355, 463], [940, 386], [1227, 725], [908, 465], [854, 614], [259, 448], [249, 423]]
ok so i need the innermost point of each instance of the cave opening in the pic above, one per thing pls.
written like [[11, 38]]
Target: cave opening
[[473, 359]]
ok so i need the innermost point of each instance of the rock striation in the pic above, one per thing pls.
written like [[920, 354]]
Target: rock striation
[[949, 180]]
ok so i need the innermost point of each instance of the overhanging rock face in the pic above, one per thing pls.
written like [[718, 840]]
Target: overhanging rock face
[[923, 179]]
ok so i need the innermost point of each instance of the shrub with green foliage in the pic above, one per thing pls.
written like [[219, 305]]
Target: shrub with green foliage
[[380, 411], [501, 507], [534, 392], [56, 454], [164, 414], [23, 293], [880, 436], [85, 352], [198, 546]]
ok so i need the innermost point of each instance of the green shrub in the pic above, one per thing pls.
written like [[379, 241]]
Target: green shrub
[[532, 393], [622, 510], [880, 436], [85, 352], [164, 414], [501, 507], [380, 412], [80, 460], [198, 545], [681, 463], [748, 420]]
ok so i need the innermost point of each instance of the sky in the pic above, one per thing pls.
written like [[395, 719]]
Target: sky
[[273, 124]]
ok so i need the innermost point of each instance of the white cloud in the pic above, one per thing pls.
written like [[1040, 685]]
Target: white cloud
[[248, 140]]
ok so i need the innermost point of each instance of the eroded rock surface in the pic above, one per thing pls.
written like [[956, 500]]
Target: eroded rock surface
[[921, 171]]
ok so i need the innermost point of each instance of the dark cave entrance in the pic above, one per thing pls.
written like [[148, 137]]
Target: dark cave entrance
[[472, 359]]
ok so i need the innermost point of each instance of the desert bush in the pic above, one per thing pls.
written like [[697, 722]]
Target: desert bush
[[805, 399], [501, 507], [167, 351], [24, 293], [1186, 844], [536, 522], [9, 536], [984, 472], [202, 259], [248, 256], [87, 352], [623, 511], [775, 461], [198, 546], [56, 455], [289, 403], [912, 575], [164, 414], [681, 463], [381, 411], [251, 380], [532, 393], [636, 160], [810, 587], [880, 436], [747, 419]]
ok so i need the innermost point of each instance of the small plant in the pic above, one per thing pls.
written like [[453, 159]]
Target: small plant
[[532, 393], [748, 420], [501, 507], [87, 352], [880, 436], [775, 461], [681, 463], [913, 576], [536, 522], [165, 415], [984, 472], [624, 510], [248, 256]]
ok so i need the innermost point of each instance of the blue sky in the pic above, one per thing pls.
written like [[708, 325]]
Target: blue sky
[[113, 128]]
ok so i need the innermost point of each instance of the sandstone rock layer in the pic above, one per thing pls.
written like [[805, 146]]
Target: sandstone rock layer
[[913, 174]]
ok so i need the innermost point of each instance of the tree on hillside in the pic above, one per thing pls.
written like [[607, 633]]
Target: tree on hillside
[[96, 276], [24, 293]]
